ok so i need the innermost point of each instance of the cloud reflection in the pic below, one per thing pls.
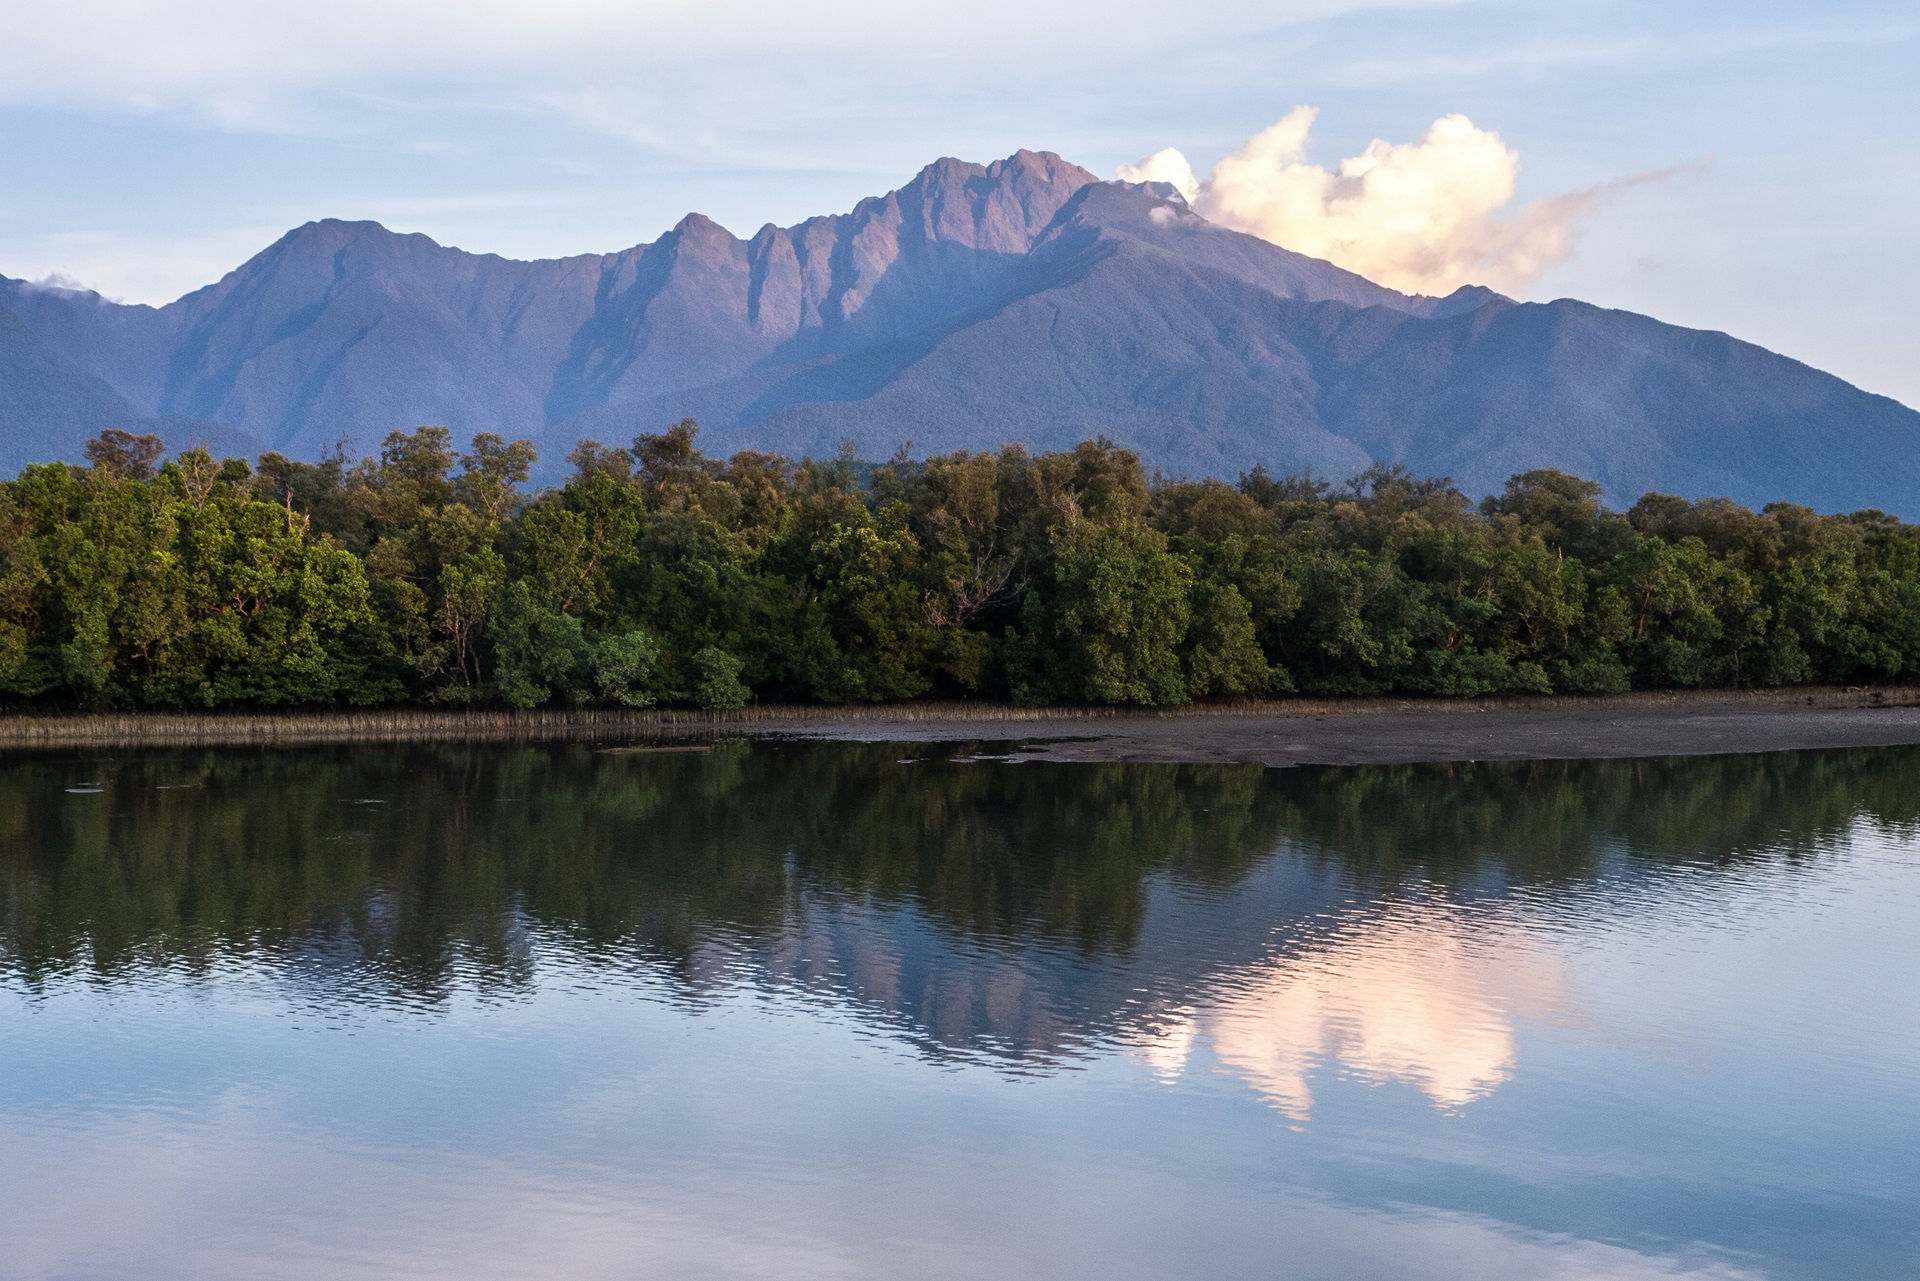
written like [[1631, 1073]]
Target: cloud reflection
[[1415, 995], [234, 1191]]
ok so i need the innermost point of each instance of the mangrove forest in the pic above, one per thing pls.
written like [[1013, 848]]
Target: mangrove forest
[[656, 575]]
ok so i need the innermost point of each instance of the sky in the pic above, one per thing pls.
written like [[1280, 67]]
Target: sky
[[1749, 167]]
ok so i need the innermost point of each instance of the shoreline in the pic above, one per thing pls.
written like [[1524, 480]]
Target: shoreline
[[1277, 732]]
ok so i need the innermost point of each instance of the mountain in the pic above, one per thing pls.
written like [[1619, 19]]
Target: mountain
[[50, 407], [1024, 300], [43, 394]]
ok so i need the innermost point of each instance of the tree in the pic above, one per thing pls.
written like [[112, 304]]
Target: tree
[[655, 573], [120, 455], [1118, 612]]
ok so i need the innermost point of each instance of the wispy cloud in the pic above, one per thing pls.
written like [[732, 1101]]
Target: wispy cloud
[[133, 268], [232, 61], [1376, 70], [1670, 38]]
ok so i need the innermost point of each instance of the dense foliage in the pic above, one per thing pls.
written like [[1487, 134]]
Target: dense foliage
[[658, 575]]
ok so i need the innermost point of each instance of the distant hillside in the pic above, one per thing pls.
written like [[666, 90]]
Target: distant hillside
[[1024, 300], [50, 407]]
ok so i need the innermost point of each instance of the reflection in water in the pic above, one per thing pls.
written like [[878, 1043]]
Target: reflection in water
[[1020, 911], [1415, 996], [1023, 912], [615, 1007], [396, 869]]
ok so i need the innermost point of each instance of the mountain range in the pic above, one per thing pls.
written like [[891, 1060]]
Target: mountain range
[[1024, 300]]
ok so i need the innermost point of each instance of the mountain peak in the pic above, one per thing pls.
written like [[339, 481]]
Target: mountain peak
[[697, 228], [1021, 299], [697, 223], [1001, 207], [336, 232]]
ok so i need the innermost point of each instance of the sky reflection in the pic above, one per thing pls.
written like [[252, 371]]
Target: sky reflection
[[805, 1012]]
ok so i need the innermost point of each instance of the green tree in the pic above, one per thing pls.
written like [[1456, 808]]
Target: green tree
[[1111, 632]]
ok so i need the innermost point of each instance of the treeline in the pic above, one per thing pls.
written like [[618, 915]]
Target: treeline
[[659, 575]]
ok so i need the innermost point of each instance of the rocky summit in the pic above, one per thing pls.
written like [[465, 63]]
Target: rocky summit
[[1024, 300]]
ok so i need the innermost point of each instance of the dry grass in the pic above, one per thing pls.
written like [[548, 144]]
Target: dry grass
[[388, 725]]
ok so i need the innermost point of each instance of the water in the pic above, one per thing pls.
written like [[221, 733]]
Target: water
[[882, 1011]]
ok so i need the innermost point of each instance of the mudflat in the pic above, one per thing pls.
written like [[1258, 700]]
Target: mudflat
[[1277, 732], [1381, 732]]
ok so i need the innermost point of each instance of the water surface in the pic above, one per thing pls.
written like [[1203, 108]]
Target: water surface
[[791, 1011]]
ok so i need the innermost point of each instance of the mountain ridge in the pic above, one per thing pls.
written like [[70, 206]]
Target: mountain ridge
[[1022, 300]]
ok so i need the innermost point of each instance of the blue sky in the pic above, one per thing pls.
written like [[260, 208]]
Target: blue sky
[[154, 144]]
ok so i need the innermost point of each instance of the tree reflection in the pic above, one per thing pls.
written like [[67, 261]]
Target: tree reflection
[[1018, 910]]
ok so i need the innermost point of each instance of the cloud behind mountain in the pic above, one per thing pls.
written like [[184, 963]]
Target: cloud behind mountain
[[1426, 217]]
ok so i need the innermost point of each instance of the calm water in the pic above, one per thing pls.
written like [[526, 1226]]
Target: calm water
[[851, 1011]]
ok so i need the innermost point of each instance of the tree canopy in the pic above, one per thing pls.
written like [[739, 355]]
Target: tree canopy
[[427, 574]]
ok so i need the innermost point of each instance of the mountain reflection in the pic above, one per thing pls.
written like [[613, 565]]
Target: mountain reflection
[[1021, 912]]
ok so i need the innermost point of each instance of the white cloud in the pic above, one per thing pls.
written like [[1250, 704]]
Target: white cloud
[[54, 282], [1167, 165], [1425, 217]]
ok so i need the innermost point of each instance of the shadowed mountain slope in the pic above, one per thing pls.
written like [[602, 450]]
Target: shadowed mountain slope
[[50, 407], [47, 402], [1022, 300]]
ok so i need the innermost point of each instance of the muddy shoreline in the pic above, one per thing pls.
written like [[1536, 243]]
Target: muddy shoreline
[[1432, 732], [1278, 732]]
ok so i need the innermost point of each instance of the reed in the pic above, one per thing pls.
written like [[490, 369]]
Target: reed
[[388, 725]]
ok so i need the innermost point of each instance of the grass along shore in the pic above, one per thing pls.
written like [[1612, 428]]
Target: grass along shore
[[28, 730]]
